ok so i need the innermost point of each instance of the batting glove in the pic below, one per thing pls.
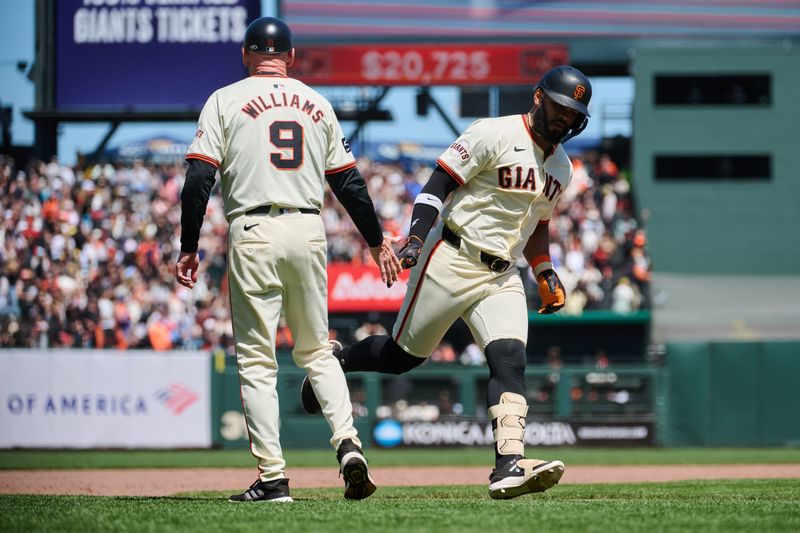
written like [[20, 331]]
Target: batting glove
[[551, 291], [410, 251]]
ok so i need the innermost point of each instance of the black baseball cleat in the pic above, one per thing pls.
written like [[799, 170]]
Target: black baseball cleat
[[265, 491], [524, 476], [308, 399], [358, 484]]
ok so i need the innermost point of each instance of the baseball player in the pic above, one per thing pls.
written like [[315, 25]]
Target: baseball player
[[503, 176], [274, 142]]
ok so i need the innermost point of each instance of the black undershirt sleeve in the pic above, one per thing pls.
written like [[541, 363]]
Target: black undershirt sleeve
[[350, 189], [423, 216], [200, 178]]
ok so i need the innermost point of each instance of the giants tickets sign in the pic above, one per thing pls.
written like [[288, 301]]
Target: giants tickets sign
[[147, 54], [357, 288]]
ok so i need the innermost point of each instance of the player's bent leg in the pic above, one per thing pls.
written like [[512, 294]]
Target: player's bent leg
[[378, 353]]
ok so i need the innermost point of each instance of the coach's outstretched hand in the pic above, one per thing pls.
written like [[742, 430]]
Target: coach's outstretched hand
[[551, 291], [186, 269], [410, 251], [387, 262]]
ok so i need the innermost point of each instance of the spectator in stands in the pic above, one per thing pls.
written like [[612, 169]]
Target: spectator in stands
[[472, 355], [601, 360], [358, 399], [370, 327], [444, 404], [625, 298], [444, 353]]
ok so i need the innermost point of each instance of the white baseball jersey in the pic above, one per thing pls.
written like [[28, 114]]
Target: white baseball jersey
[[508, 185], [277, 136]]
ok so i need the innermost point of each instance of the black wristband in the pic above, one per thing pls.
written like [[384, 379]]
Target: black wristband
[[422, 218]]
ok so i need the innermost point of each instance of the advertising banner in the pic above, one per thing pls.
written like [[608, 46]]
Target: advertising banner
[[104, 399], [390, 433], [358, 288], [149, 54]]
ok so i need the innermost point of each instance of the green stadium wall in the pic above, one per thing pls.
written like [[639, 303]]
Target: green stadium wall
[[733, 394], [719, 226], [705, 394]]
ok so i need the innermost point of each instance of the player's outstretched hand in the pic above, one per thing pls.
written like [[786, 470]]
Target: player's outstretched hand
[[409, 253], [186, 269], [387, 262], [551, 291]]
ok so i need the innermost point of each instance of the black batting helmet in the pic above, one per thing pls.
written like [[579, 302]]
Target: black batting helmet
[[268, 34], [568, 86]]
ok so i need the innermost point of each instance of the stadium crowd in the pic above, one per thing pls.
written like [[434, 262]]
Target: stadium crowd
[[88, 254]]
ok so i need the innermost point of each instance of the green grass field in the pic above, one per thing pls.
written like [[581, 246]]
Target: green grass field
[[50, 459], [730, 505], [760, 505]]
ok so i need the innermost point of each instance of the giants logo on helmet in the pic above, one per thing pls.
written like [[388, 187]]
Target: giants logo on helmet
[[580, 90]]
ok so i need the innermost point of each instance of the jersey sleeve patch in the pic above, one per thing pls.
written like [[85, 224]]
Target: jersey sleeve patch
[[460, 149]]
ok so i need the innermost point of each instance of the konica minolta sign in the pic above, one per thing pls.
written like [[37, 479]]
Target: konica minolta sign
[[390, 433]]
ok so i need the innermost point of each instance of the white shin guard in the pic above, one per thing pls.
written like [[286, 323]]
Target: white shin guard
[[510, 416]]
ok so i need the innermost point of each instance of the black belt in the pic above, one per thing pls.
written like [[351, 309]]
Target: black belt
[[498, 264], [265, 209]]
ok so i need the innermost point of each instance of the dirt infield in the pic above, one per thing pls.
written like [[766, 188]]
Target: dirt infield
[[164, 482]]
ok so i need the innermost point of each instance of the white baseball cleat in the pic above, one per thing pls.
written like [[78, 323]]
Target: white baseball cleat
[[524, 477]]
